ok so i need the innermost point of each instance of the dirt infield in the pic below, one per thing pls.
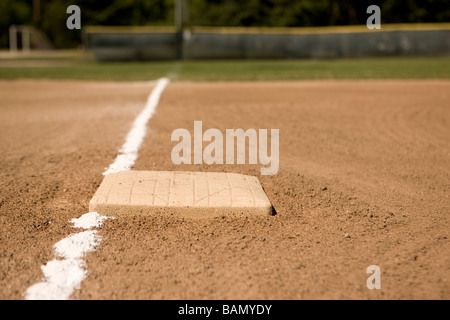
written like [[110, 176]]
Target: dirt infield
[[57, 138], [364, 180]]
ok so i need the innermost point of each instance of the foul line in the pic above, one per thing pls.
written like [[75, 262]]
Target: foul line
[[66, 272], [128, 153]]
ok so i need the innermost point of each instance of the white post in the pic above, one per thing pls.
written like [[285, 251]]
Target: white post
[[178, 15], [13, 39]]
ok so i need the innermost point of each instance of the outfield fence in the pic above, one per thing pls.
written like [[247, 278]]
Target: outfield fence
[[152, 43]]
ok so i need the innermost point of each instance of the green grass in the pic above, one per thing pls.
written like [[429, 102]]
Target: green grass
[[237, 70]]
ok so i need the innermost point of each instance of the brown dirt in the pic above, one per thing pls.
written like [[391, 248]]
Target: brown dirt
[[364, 180], [57, 137]]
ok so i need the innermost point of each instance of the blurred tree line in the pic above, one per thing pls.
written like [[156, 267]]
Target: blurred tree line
[[50, 15]]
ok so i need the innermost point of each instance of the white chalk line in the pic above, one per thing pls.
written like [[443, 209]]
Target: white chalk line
[[128, 153], [65, 273]]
